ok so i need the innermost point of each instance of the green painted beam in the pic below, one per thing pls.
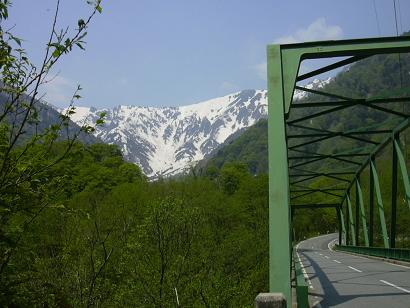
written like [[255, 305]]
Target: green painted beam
[[306, 162], [318, 158], [316, 191], [351, 221], [403, 169], [362, 213], [321, 137], [386, 110], [316, 155], [399, 128], [309, 172], [301, 195], [342, 220], [390, 100], [379, 201], [393, 215], [279, 207], [347, 224], [357, 218], [327, 94], [371, 205], [304, 179], [339, 134], [330, 67], [315, 206], [292, 55], [318, 114]]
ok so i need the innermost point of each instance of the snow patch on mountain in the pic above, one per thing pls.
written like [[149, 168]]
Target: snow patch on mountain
[[166, 141]]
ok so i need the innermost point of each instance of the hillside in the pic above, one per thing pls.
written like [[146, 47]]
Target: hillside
[[251, 147], [47, 116], [167, 141]]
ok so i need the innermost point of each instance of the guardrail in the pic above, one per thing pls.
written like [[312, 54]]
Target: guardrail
[[387, 253]]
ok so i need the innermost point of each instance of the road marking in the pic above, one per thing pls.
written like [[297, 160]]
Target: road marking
[[320, 254], [327, 257], [303, 268], [399, 265], [337, 261], [364, 258], [394, 286], [355, 269], [329, 245]]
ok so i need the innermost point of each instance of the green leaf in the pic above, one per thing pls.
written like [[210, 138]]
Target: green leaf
[[56, 53], [99, 8], [81, 46]]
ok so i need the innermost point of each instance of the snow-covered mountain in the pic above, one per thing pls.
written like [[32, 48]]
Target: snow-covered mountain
[[166, 141]]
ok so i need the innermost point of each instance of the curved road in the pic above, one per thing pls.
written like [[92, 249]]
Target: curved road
[[338, 279]]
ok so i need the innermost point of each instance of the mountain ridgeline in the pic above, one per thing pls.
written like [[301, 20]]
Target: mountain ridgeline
[[374, 77], [167, 141], [46, 117]]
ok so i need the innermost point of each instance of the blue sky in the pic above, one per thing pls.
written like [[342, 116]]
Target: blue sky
[[170, 53]]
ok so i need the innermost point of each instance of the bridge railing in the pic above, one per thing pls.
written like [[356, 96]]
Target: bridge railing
[[387, 253]]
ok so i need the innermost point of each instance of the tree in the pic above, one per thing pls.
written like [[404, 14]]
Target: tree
[[25, 166], [163, 252], [232, 175]]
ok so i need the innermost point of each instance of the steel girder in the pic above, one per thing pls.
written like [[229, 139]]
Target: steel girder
[[285, 131]]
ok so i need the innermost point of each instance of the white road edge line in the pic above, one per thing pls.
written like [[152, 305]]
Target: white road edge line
[[337, 261], [329, 246], [399, 265], [303, 268], [394, 286], [355, 269]]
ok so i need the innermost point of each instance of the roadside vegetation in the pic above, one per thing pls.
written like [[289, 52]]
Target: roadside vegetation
[[81, 227]]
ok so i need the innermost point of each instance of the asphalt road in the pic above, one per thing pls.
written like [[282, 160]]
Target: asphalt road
[[338, 279]]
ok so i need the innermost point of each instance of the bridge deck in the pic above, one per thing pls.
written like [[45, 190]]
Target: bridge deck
[[344, 280]]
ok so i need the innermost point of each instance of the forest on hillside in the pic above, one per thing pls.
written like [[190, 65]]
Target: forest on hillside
[[108, 237], [82, 227]]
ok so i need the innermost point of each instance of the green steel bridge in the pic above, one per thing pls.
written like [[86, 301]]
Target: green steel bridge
[[304, 156]]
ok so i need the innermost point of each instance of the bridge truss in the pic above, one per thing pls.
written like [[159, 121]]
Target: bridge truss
[[316, 161]]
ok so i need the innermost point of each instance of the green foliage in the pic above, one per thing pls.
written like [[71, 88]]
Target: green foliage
[[232, 176], [81, 227], [110, 238], [250, 147]]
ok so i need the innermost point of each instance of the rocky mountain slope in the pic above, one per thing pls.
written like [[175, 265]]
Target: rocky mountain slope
[[166, 141]]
